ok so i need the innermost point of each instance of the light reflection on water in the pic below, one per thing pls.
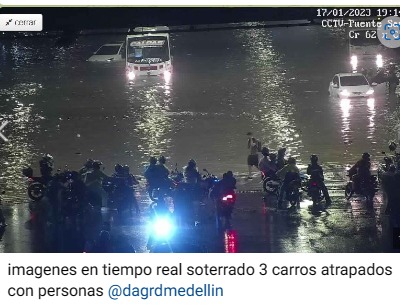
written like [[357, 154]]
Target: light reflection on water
[[240, 82], [272, 105], [154, 121]]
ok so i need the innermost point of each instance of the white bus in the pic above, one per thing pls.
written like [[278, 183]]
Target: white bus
[[148, 53]]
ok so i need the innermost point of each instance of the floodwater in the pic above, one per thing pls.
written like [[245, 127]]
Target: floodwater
[[272, 82]]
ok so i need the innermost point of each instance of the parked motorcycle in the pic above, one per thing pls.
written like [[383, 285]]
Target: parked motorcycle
[[367, 189]]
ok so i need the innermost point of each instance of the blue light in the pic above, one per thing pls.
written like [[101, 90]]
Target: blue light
[[163, 227]]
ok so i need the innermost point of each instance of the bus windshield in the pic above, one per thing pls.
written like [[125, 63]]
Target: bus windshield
[[150, 49], [363, 39]]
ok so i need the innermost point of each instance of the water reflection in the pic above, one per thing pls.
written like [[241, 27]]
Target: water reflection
[[371, 118], [268, 93], [154, 122], [345, 106]]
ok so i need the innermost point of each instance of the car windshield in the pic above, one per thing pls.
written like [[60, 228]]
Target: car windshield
[[108, 50], [352, 81]]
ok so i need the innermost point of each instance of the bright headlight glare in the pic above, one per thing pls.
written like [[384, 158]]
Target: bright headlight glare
[[131, 75], [344, 93], [370, 91], [167, 76], [162, 227]]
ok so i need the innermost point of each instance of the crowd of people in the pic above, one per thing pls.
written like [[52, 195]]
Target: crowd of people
[[276, 166]]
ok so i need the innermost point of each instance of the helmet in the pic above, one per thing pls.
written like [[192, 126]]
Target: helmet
[[265, 151], [192, 163], [392, 146], [282, 151], [97, 164], [314, 158], [366, 156], [229, 174], [162, 159], [291, 161], [272, 156], [47, 157], [118, 168], [125, 169], [153, 160], [89, 163]]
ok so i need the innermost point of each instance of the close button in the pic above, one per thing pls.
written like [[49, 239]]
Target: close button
[[21, 22]]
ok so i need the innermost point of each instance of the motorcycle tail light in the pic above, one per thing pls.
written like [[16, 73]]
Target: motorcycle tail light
[[314, 184], [227, 197]]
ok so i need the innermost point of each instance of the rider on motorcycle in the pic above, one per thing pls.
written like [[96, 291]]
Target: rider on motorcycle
[[163, 171], [191, 173], [93, 181], [225, 185], [281, 161], [317, 174], [193, 179], [360, 172], [287, 174], [87, 167], [46, 166], [151, 175], [262, 165]]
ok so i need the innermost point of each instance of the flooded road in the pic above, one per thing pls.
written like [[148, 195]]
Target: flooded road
[[272, 82]]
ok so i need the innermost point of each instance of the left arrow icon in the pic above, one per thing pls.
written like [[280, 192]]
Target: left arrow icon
[[4, 124]]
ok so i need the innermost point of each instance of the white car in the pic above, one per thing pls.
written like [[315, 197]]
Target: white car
[[108, 53], [350, 85]]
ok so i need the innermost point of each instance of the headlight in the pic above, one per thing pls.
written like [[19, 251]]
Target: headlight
[[131, 75], [167, 76], [354, 62], [370, 92], [162, 227], [344, 93], [379, 61]]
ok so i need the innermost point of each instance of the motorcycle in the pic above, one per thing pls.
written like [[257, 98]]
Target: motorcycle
[[162, 224], [208, 182], [387, 162], [224, 207], [73, 192], [367, 188], [36, 185], [314, 191], [120, 192], [270, 184], [293, 194]]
